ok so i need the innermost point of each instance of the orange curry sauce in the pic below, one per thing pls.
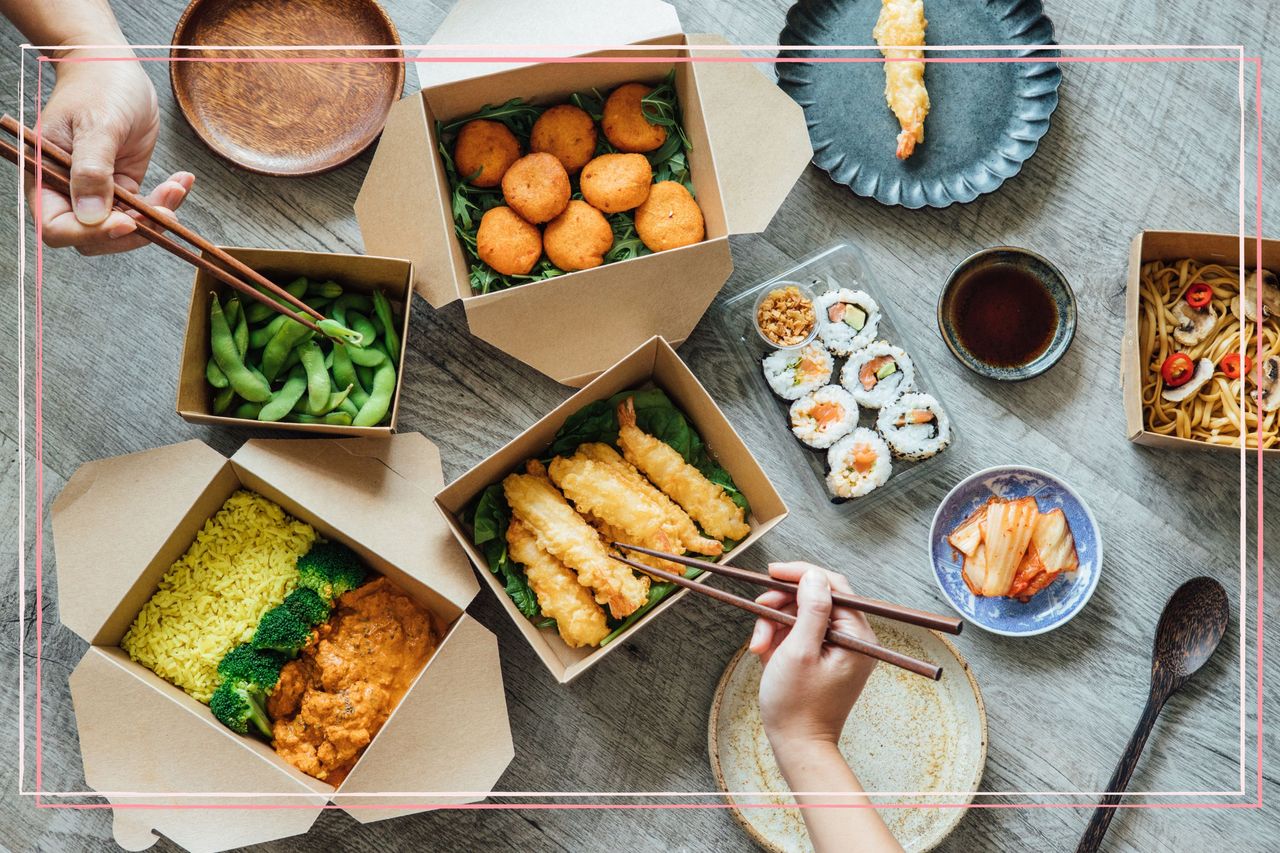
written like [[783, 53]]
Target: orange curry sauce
[[333, 699]]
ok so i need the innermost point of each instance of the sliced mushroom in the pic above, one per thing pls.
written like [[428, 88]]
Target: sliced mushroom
[[1194, 324], [1204, 372], [1269, 390], [1245, 305]]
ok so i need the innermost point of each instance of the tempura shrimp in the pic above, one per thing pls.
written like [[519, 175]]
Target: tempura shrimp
[[579, 619], [601, 491], [902, 24]]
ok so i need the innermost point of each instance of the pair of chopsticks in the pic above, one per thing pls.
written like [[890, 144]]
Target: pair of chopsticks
[[55, 172], [897, 612]]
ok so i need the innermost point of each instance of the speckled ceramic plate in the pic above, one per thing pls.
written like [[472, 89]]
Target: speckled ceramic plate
[[986, 118], [1059, 601], [906, 734]]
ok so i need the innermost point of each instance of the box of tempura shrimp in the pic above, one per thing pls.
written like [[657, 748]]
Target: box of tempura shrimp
[[1200, 359], [578, 196], [641, 455], [284, 628]]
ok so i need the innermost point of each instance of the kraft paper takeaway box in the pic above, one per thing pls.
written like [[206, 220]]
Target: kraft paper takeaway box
[[118, 526], [749, 145]]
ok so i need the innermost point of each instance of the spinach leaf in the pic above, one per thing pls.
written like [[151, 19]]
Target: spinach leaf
[[489, 517]]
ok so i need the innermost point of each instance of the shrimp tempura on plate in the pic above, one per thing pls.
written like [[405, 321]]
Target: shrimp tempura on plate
[[902, 25], [579, 619]]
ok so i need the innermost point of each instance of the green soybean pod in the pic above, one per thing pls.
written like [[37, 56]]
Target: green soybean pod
[[367, 356], [331, 402], [293, 358], [249, 411], [222, 400], [375, 408], [317, 376], [344, 373], [214, 375], [259, 311], [365, 375], [240, 328], [282, 401], [333, 418], [348, 302], [363, 327], [390, 337], [248, 383], [319, 303], [325, 289], [335, 331], [277, 349], [349, 407], [261, 336]]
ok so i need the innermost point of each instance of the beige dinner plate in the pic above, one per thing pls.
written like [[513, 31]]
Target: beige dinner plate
[[905, 734]]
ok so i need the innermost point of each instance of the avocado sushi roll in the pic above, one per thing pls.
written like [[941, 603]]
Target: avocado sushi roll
[[793, 373], [822, 417], [877, 374], [914, 426], [847, 319]]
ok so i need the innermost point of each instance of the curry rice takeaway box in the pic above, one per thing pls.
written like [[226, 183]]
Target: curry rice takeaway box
[[1171, 246], [121, 522], [356, 274], [749, 145], [653, 364]]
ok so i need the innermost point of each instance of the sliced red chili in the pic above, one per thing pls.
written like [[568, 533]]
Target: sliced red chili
[[1199, 295], [1231, 365], [1177, 369]]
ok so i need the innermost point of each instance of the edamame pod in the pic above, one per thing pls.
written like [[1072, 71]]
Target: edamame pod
[[317, 376], [349, 302], [333, 419], [338, 332], [332, 402], [349, 407], [248, 383], [365, 375], [259, 311], [282, 401], [344, 373], [239, 325], [248, 411], [214, 375], [379, 402], [362, 326], [390, 336], [294, 358], [261, 336], [222, 400], [282, 342], [326, 289], [367, 357]]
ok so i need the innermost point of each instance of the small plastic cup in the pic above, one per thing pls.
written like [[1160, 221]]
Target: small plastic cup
[[806, 291]]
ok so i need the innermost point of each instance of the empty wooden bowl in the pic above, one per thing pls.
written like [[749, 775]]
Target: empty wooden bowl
[[286, 113]]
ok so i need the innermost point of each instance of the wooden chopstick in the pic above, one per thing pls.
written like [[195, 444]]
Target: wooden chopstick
[[897, 612], [154, 234], [127, 199], [835, 637]]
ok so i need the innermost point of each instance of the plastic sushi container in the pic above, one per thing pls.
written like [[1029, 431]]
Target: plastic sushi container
[[837, 266]]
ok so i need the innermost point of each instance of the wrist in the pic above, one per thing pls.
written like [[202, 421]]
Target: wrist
[[799, 752]]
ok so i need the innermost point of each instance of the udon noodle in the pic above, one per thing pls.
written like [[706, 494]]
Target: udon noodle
[[1213, 414]]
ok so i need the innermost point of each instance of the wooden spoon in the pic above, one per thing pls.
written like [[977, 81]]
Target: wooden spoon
[[1191, 626]]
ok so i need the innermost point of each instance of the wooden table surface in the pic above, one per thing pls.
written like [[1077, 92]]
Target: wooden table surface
[[1131, 146]]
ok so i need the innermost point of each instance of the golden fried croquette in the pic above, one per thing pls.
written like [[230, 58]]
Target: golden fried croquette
[[616, 182], [507, 242], [624, 122], [566, 132], [578, 238], [669, 218], [487, 148], [536, 187]]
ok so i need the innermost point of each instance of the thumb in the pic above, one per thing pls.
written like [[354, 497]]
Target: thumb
[[93, 159], [813, 610]]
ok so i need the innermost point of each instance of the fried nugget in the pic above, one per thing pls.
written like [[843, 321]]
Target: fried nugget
[[578, 238], [613, 183], [567, 133], [579, 619], [624, 121], [536, 187], [507, 242], [669, 218], [483, 152]]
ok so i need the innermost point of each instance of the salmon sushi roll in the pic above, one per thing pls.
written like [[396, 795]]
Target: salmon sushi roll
[[793, 373], [877, 374], [860, 463], [914, 426], [821, 418], [847, 319]]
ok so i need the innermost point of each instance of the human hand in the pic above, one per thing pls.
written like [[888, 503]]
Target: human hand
[[105, 115], [808, 688]]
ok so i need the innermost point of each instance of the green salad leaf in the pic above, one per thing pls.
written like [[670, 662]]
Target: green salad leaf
[[489, 517]]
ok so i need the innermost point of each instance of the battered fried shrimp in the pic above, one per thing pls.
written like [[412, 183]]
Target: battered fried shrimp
[[617, 182], [484, 149], [507, 242], [677, 518], [902, 23], [536, 187], [624, 121], [669, 218], [612, 534], [705, 501], [566, 132], [604, 493], [579, 619], [578, 238], [565, 535]]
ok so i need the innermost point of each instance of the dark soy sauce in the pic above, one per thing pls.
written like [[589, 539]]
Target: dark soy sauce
[[1003, 315]]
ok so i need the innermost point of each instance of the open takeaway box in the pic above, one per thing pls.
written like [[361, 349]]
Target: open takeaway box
[[1172, 246], [749, 145], [652, 364], [121, 522]]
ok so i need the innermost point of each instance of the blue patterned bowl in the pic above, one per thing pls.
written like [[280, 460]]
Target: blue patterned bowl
[[1054, 605]]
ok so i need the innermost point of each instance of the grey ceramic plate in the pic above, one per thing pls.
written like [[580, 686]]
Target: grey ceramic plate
[[986, 118]]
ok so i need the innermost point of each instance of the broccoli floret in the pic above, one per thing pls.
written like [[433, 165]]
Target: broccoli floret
[[280, 631], [258, 667], [307, 605], [236, 704], [330, 569]]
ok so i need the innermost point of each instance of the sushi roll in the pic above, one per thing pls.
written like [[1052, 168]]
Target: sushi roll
[[914, 426], [793, 373], [847, 319], [878, 373], [859, 463], [820, 418]]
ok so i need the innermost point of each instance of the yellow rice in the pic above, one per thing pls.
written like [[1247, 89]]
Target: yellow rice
[[242, 563]]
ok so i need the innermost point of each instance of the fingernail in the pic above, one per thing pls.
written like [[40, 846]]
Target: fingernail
[[123, 229], [813, 580], [90, 209], [757, 634]]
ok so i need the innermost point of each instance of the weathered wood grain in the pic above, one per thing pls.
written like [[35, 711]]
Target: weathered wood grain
[[1131, 146]]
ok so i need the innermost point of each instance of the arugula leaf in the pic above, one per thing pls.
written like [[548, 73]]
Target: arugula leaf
[[489, 517]]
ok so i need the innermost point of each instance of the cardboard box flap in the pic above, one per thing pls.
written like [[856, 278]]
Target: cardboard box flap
[[757, 170], [114, 516], [134, 740], [375, 491], [541, 28], [460, 692]]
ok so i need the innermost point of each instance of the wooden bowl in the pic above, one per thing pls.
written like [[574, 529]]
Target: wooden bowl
[[289, 118]]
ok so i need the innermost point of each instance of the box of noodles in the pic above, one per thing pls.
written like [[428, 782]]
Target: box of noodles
[[1200, 360], [642, 454]]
